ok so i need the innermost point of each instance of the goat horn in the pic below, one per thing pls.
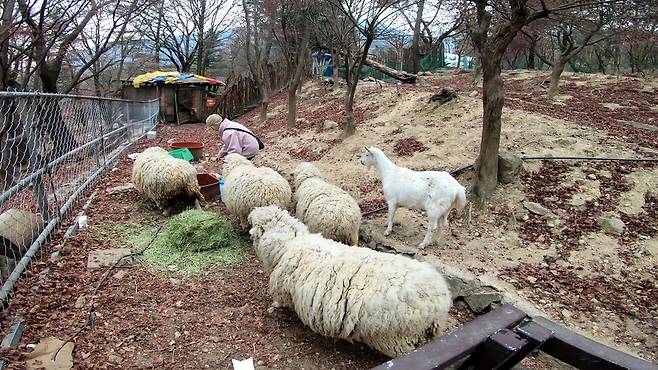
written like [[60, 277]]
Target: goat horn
[[367, 150]]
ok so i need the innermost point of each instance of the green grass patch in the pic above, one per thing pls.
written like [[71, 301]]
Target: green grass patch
[[190, 243]]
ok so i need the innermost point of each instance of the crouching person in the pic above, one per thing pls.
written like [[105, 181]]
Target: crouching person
[[237, 138]]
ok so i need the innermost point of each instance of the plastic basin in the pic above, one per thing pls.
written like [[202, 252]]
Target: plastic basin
[[195, 147], [182, 153], [209, 186]]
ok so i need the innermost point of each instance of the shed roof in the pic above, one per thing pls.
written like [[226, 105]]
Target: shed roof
[[166, 78]]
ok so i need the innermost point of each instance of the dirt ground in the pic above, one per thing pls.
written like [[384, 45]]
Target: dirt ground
[[600, 284]]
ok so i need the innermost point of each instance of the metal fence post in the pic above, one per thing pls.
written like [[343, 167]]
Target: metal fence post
[[37, 184]]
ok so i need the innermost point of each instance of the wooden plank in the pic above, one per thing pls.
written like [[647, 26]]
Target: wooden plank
[[584, 353], [452, 347]]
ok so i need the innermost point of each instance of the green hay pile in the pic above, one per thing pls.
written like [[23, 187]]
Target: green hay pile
[[198, 231], [190, 243]]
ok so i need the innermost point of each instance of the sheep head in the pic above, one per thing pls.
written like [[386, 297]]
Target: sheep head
[[155, 150], [305, 171], [271, 228], [232, 161]]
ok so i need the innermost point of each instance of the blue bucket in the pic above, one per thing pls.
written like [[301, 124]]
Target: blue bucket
[[221, 189]]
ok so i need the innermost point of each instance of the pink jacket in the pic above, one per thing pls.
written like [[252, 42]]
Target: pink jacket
[[236, 141]]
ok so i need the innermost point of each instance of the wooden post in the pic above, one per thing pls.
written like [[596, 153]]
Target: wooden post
[[176, 105]]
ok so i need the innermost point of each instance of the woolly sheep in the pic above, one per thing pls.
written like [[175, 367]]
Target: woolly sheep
[[389, 302], [169, 182], [437, 192], [247, 187], [325, 208]]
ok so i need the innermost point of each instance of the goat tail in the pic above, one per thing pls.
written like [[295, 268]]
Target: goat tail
[[460, 202]]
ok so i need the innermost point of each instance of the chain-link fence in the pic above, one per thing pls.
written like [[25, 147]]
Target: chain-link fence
[[52, 147]]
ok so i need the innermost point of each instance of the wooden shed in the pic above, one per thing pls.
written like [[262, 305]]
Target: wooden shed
[[184, 98]]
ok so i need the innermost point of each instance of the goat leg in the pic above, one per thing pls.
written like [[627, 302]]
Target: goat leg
[[392, 207], [431, 229]]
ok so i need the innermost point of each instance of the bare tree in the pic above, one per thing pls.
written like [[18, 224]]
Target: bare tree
[[356, 24], [293, 35], [429, 33], [260, 18], [493, 27]]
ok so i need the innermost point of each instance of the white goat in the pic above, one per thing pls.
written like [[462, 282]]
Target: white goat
[[437, 192]]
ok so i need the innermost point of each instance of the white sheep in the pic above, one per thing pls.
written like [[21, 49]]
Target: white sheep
[[169, 182], [437, 192], [325, 208], [247, 187], [389, 302]]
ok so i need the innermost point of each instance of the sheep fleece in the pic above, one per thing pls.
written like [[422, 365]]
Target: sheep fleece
[[161, 177], [329, 210], [392, 303], [247, 187]]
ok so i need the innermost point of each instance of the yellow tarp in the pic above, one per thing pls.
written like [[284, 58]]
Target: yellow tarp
[[171, 77], [139, 80]]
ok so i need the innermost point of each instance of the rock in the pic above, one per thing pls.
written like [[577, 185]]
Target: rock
[[566, 313], [107, 257], [578, 202], [302, 121], [115, 359], [270, 310], [318, 149], [538, 209], [591, 176], [445, 95], [80, 302], [480, 300], [330, 125], [473, 94], [172, 268], [120, 274], [612, 225], [509, 167], [531, 279]]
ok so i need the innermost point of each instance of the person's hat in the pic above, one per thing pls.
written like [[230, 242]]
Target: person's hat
[[213, 121]]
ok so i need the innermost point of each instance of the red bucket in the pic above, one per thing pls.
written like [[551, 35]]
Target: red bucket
[[195, 147]]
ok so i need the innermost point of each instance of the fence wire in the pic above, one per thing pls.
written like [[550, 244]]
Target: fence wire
[[52, 147]]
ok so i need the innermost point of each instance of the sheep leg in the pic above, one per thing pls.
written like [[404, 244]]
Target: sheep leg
[[392, 207], [197, 205]]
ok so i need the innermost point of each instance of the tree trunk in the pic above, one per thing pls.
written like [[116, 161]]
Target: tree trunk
[[477, 71], [556, 73], [531, 58], [599, 62], [350, 125], [5, 26], [335, 60], [442, 55], [459, 60], [398, 75], [292, 106], [200, 70], [492, 101], [415, 42]]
